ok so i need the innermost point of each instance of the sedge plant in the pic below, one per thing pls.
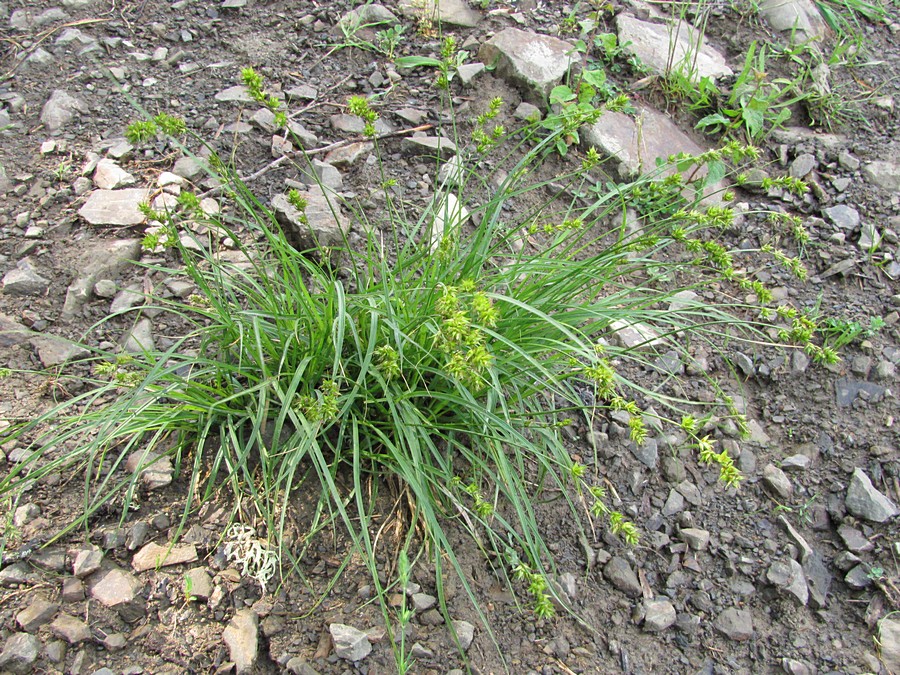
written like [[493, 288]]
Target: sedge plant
[[445, 367]]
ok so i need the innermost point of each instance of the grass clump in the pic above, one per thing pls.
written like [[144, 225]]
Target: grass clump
[[445, 375]]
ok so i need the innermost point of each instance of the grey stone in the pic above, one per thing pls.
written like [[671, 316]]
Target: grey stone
[[38, 612], [864, 501], [354, 125], [619, 573], [636, 143], [469, 71], [744, 364], [12, 332], [39, 58], [367, 15], [450, 12], [801, 16], [420, 651], [858, 578], [845, 217], [59, 110], [349, 643], [20, 651], [116, 587], [690, 492], [139, 339], [674, 504], [885, 175], [306, 139], [80, 42], [115, 207], [846, 391], [854, 540], [299, 666], [818, 580], [188, 168], [87, 561], [669, 363], [673, 469], [153, 556], [795, 667], [889, 639], [802, 165], [119, 590], [105, 289], [527, 112], [103, 261], [236, 94], [156, 470], [302, 92], [198, 583], [265, 120], [348, 155], [647, 453], [802, 546], [848, 161], [465, 633], [127, 298], [326, 176], [137, 535], [15, 574], [695, 538], [70, 629], [658, 615], [869, 237], [55, 651], [25, 514], [24, 280], [423, 601], [633, 335], [569, 585], [795, 463], [108, 175], [241, 636], [534, 63], [777, 483], [678, 46], [429, 146], [452, 172], [55, 351], [321, 224], [789, 577], [735, 624]]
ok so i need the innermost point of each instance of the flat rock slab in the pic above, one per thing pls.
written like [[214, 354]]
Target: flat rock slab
[[349, 643], [889, 638], [676, 47], [12, 332], [20, 651], [636, 145], [533, 63], [788, 15], [55, 351], [321, 223], [70, 629], [242, 638], [736, 624], [59, 110], [865, 501], [885, 175], [115, 207], [153, 556], [450, 12], [116, 587]]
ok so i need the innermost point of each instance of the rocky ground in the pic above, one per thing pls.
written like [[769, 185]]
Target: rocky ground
[[794, 573]]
